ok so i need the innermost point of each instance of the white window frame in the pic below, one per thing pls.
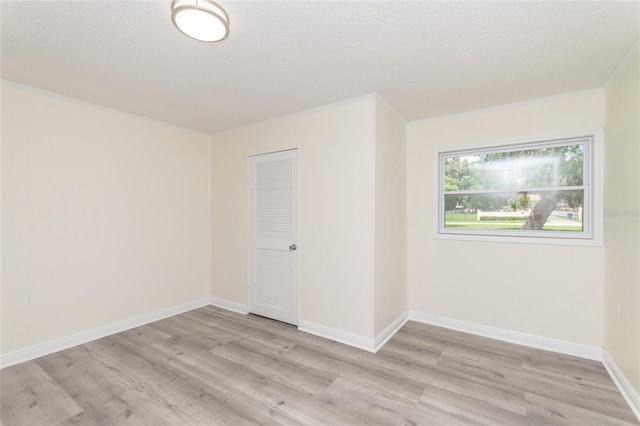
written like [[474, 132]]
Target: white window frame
[[593, 182]]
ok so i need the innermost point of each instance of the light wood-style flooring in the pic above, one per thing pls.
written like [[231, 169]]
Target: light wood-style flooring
[[210, 366]]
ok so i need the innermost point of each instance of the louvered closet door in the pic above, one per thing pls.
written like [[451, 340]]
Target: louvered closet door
[[273, 235]]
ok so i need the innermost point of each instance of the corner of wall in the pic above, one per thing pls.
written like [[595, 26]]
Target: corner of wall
[[622, 281], [631, 396]]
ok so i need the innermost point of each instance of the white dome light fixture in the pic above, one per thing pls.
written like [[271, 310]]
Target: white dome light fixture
[[202, 20]]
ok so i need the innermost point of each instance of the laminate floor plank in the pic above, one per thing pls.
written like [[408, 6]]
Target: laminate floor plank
[[251, 330], [499, 394], [193, 341], [281, 399], [375, 379], [185, 399], [503, 397], [234, 384], [467, 346], [607, 400], [406, 340], [543, 410], [210, 366], [277, 366], [481, 370], [181, 326], [410, 352], [392, 362], [97, 388], [265, 336], [371, 407], [144, 335], [586, 373], [30, 396], [467, 408]]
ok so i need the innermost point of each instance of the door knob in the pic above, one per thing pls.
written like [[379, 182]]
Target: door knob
[[292, 247]]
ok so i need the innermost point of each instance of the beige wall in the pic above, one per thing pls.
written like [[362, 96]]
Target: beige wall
[[104, 217], [622, 334], [336, 179], [544, 290], [390, 216]]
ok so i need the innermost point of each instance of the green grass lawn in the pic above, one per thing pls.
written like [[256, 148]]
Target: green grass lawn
[[483, 225], [515, 225], [460, 217], [469, 221], [562, 228]]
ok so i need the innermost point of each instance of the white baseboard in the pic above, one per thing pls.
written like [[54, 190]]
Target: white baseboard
[[369, 345], [229, 306], [337, 335], [574, 349], [628, 392], [388, 332], [46, 348]]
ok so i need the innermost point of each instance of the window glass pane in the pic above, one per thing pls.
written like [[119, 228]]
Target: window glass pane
[[541, 210], [521, 169]]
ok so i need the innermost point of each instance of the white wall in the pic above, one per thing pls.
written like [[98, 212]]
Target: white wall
[[104, 217], [622, 334], [544, 290], [390, 216], [336, 162]]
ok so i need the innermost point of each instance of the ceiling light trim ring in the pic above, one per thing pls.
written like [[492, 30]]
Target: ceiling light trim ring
[[207, 7]]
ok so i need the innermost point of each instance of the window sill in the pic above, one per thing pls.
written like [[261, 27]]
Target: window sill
[[581, 242]]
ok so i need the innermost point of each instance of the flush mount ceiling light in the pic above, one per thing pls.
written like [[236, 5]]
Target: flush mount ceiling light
[[202, 20]]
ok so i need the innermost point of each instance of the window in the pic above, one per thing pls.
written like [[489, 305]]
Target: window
[[536, 189]]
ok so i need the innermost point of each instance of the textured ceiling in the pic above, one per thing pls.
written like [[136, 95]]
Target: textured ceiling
[[425, 58]]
